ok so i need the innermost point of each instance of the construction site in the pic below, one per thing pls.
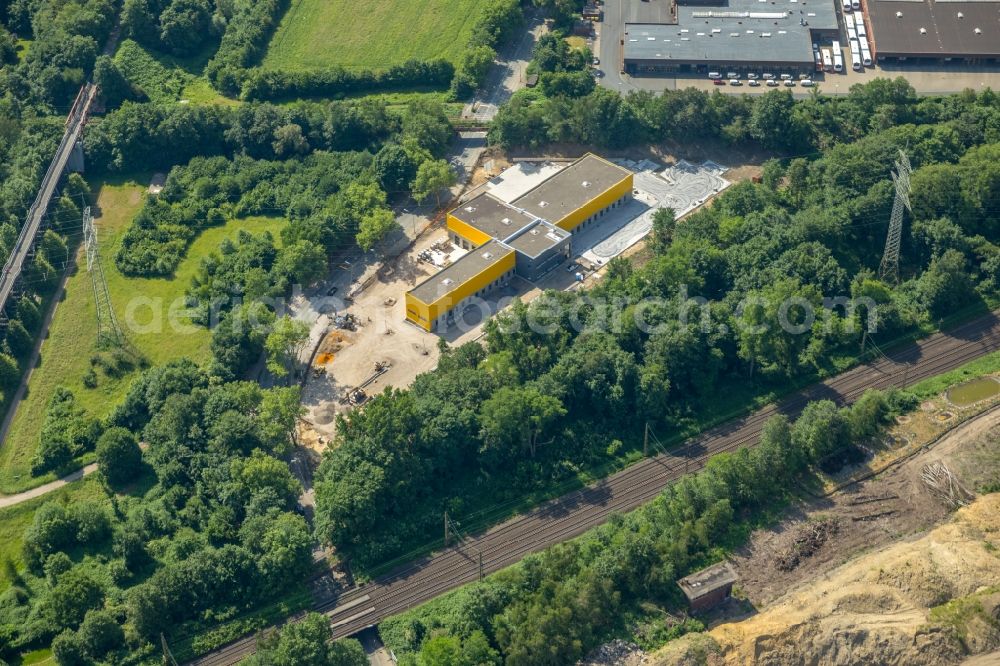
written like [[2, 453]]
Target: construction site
[[373, 338]]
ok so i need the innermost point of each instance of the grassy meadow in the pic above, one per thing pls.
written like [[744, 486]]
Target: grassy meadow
[[66, 353], [319, 33]]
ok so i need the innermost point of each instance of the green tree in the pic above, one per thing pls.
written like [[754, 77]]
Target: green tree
[[374, 226], [443, 650], [394, 168], [238, 340], [68, 650], [309, 643], [301, 263], [113, 85], [10, 374], [118, 456], [775, 326], [185, 25], [261, 472], [76, 593], [289, 141], [100, 633], [773, 122], [277, 416], [432, 177], [945, 286], [56, 565], [866, 416], [517, 417], [284, 343], [18, 339], [821, 430], [664, 224]]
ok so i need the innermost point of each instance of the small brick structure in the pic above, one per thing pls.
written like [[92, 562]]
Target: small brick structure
[[709, 587]]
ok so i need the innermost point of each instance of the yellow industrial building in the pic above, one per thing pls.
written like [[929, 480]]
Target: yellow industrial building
[[527, 236]]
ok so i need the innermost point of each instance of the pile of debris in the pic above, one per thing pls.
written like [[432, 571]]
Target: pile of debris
[[615, 653], [943, 485], [810, 539], [346, 321]]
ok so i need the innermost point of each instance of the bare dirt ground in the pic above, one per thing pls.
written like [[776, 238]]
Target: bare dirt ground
[[851, 577], [875, 609], [347, 358], [823, 533]]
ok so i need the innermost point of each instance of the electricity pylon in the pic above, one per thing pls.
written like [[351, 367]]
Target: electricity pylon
[[109, 333], [888, 270]]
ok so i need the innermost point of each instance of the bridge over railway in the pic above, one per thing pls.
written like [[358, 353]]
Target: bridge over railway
[[69, 155]]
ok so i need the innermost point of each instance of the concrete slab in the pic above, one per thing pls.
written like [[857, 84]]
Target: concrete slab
[[520, 178], [683, 187]]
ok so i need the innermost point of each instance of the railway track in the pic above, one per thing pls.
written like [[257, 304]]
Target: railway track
[[20, 253], [571, 515]]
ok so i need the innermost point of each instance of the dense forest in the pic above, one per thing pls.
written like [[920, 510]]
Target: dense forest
[[198, 528], [555, 606], [558, 388]]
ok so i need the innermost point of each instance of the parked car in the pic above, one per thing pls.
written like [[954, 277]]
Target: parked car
[[786, 77], [752, 76], [596, 61], [732, 75], [753, 83], [807, 83], [718, 82], [572, 267], [735, 82], [773, 83], [714, 75], [790, 83], [767, 75]]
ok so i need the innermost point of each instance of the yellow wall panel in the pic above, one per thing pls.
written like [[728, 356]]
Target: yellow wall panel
[[467, 231], [424, 315], [603, 200], [418, 312]]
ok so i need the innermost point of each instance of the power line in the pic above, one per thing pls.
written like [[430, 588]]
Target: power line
[[109, 332], [888, 270]]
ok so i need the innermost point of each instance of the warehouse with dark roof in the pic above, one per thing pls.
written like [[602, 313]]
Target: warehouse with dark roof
[[741, 35], [935, 30]]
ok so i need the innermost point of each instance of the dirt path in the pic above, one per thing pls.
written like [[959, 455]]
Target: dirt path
[[38, 491]]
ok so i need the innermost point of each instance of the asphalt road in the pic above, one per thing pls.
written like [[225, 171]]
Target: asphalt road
[[575, 513], [507, 74]]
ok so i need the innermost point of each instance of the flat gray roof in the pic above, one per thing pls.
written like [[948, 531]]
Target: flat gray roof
[[707, 580], [492, 216], [741, 31], [571, 188], [451, 277], [537, 238], [949, 28]]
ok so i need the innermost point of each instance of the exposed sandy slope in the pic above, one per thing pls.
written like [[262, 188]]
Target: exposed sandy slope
[[875, 609], [864, 596]]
